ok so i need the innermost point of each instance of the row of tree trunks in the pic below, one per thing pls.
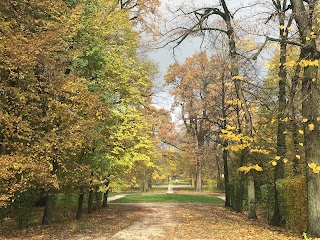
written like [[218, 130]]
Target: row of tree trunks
[[94, 202]]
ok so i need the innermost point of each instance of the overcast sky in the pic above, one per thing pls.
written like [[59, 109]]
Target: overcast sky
[[164, 57]]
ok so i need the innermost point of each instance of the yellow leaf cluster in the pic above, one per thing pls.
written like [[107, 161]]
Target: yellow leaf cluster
[[237, 141], [259, 150], [314, 167], [277, 158], [246, 169], [247, 44], [241, 78], [235, 102], [309, 63], [290, 63], [311, 127]]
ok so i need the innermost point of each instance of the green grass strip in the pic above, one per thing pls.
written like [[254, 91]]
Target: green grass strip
[[168, 198]]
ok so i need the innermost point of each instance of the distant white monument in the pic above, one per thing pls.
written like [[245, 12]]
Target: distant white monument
[[170, 187]]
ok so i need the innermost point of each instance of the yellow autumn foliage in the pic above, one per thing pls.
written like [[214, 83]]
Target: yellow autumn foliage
[[314, 167], [246, 169]]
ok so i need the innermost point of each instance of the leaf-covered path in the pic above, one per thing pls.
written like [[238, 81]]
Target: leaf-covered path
[[158, 222], [150, 221], [197, 221]]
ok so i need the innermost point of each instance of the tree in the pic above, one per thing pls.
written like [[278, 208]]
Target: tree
[[305, 17], [108, 58], [200, 24], [200, 90], [73, 100], [191, 92], [144, 14], [50, 108], [281, 8]]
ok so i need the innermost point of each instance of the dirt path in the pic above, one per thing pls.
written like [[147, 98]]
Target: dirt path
[[197, 221], [150, 221], [157, 223]]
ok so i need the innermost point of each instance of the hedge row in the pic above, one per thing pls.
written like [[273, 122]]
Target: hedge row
[[292, 200]]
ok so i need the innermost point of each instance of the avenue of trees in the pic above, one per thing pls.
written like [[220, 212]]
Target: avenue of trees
[[75, 102], [77, 116]]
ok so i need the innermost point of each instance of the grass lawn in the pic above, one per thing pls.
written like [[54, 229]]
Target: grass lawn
[[168, 198]]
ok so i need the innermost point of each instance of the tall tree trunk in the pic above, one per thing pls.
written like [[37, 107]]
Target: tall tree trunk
[[149, 182], [90, 201], [200, 137], [240, 185], [251, 197], [48, 209], [310, 110], [292, 113], [50, 198], [220, 182], [240, 189], [277, 219], [80, 203], [225, 145], [226, 174], [97, 195], [105, 199], [238, 86], [295, 160], [198, 184], [105, 195], [304, 14]]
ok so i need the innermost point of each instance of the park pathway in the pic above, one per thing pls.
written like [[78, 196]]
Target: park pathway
[[157, 223], [197, 222]]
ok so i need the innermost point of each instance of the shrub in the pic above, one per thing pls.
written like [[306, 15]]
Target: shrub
[[3, 214], [293, 202], [211, 185], [22, 208], [237, 195], [66, 204], [266, 200]]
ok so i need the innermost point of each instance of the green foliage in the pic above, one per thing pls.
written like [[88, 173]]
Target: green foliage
[[22, 208], [212, 185], [293, 202], [74, 94], [3, 214], [66, 202], [236, 192], [266, 200]]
